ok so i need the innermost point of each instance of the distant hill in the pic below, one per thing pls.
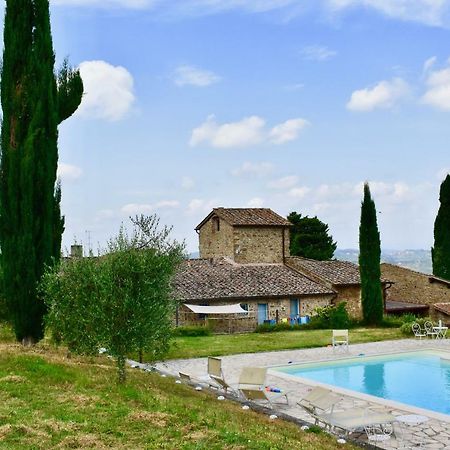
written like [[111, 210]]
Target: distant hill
[[419, 260]]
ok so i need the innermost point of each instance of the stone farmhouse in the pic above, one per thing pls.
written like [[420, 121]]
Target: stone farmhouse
[[244, 259], [416, 292]]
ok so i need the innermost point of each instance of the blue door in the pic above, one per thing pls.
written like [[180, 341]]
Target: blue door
[[262, 312], [294, 308]]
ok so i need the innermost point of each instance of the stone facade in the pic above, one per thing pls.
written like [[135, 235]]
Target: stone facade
[[221, 324], [260, 244], [243, 244], [351, 295], [216, 238], [414, 287]]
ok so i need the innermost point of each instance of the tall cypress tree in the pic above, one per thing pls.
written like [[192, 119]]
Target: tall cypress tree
[[34, 102], [440, 253], [369, 261]]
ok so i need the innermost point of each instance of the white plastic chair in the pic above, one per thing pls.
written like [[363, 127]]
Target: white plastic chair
[[340, 339]]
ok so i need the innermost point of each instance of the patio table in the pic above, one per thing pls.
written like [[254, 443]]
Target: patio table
[[440, 332]]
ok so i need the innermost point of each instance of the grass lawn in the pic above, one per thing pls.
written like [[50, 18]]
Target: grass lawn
[[48, 401], [221, 345]]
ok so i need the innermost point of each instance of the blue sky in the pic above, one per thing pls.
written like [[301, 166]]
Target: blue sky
[[284, 104]]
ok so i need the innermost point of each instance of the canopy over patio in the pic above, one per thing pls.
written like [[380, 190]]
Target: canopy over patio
[[221, 309]]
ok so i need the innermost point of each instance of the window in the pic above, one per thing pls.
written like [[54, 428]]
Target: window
[[216, 224]]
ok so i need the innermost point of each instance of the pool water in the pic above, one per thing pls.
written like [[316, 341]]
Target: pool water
[[420, 379]]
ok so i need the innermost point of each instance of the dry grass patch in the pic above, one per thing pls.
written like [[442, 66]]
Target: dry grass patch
[[13, 379], [5, 430], [157, 418]]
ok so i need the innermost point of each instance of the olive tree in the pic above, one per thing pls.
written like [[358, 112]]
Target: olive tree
[[121, 300]]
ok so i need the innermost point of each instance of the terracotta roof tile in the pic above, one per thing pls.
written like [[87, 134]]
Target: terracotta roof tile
[[443, 307], [248, 217], [335, 272], [204, 279]]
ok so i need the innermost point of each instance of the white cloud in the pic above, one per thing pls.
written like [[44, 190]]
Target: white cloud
[[256, 202], [429, 63], [132, 209], [287, 131], [198, 205], [108, 91], [299, 192], [248, 168], [317, 53], [245, 133], [69, 172], [193, 76], [384, 94], [428, 12], [249, 131], [187, 183], [284, 182], [438, 89]]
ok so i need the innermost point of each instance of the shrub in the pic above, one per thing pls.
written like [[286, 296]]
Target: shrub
[[121, 301], [192, 330], [330, 316], [406, 328]]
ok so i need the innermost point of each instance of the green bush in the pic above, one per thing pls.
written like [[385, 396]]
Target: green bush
[[406, 328], [330, 317], [192, 330]]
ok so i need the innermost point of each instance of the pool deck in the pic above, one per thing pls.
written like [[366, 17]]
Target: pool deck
[[434, 434]]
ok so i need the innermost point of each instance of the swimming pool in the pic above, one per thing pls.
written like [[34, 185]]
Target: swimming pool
[[420, 379]]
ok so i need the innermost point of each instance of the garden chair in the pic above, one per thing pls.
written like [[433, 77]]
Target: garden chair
[[417, 330], [340, 339], [216, 374], [428, 325], [252, 386], [318, 401]]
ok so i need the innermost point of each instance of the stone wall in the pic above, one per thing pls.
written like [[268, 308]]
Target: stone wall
[[215, 242], [250, 322], [352, 295], [413, 287], [260, 244]]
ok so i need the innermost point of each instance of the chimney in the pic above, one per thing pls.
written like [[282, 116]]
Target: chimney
[[76, 251]]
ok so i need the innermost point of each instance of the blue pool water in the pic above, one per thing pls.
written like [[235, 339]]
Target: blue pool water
[[420, 379]]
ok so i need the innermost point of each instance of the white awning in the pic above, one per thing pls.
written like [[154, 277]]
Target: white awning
[[223, 309]]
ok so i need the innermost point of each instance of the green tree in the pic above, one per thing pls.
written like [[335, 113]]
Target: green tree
[[34, 102], [369, 261], [440, 253], [122, 300], [310, 238]]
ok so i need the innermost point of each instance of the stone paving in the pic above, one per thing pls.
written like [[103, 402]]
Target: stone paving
[[433, 434]]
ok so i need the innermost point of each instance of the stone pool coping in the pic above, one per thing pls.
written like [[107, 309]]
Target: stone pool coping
[[436, 431]]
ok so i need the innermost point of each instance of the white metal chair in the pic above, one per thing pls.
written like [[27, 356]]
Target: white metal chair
[[428, 325], [417, 330], [340, 339]]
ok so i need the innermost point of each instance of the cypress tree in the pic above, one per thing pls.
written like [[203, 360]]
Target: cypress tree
[[440, 253], [369, 261], [34, 102]]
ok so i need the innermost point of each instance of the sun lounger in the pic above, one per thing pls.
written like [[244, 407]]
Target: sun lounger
[[318, 401], [216, 374], [252, 386], [339, 339], [358, 418]]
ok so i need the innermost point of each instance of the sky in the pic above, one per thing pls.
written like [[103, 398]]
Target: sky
[[286, 104]]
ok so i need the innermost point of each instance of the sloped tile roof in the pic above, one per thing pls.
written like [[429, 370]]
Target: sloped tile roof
[[248, 217], [205, 279], [335, 272], [443, 307]]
